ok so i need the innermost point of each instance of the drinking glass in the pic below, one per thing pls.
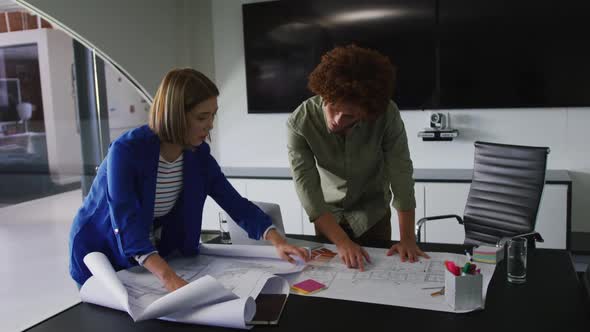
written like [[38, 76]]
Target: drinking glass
[[224, 229], [516, 268]]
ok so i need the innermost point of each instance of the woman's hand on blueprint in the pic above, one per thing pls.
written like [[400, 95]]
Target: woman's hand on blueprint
[[288, 252], [160, 268], [174, 282], [285, 250]]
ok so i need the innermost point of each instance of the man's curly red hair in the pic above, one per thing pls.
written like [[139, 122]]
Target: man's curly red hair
[[356, 75]]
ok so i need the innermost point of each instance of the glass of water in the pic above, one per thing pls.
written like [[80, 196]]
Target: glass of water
[[224, 228], [516, 268]]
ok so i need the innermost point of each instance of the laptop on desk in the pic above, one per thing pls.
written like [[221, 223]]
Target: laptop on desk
[[239, 235]]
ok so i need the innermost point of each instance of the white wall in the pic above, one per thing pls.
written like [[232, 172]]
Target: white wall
[[195, 36], [244, 140], [240, 139], [127, 109]]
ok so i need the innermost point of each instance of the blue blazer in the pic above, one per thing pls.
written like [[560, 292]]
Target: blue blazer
[[116, 216]]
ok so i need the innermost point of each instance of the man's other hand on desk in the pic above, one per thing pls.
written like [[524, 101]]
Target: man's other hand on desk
[[352, 254], [407, 250]]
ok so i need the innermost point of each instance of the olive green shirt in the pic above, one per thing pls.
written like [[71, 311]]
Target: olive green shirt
[[352, 176]]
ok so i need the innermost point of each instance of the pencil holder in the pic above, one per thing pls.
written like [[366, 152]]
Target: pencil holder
[[463, 292]]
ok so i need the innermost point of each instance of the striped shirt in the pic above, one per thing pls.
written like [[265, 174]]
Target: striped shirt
[[168, 187]]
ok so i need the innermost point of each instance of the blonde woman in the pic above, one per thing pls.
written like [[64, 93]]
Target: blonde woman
[[146, 201]]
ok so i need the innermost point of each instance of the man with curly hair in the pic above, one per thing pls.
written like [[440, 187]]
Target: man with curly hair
[[348, 152]]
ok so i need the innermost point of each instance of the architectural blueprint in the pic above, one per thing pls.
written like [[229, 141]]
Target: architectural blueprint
[[387, 280]]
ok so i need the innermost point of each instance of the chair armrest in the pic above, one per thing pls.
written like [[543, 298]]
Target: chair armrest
[[422, 221], [586, 280]]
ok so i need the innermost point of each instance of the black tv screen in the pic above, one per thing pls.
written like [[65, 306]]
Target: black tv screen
[[449, 54], [514, 53], [284, 41]]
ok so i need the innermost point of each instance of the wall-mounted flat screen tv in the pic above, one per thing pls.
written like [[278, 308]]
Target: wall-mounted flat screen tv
[[284, 41], [514, 53], [449, 54]]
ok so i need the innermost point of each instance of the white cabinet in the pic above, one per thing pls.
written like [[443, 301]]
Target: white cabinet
[[552, 217], [450, 198], [432, 199], [440, 199], [281, 192]]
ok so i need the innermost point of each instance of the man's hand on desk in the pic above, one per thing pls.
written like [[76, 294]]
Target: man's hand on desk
[[407, 250], [352, 254]]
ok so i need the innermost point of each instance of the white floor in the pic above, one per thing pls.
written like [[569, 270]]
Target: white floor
[[34, 278]]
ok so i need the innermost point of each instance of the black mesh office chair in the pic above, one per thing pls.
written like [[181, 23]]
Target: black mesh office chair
[[504, 196]]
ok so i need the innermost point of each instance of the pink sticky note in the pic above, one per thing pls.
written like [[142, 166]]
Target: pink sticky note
[[309, 285]]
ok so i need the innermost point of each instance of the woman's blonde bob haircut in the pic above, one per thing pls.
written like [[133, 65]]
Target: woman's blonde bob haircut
[[179, 92]]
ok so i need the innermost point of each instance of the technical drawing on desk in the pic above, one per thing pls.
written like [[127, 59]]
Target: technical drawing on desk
[[243, 277], [382, 267], [386, 280]]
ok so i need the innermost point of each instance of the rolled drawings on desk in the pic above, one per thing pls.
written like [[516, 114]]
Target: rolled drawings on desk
[[221, 290]]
